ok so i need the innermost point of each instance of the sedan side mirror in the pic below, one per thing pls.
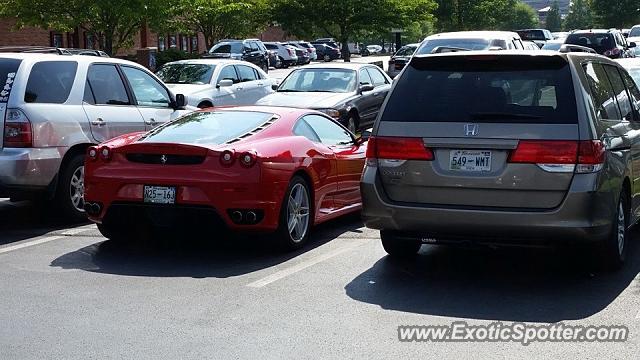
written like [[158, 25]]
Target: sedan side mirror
[[632, 44], [225, 83], [366, 87], [181, 101], [274, 87]]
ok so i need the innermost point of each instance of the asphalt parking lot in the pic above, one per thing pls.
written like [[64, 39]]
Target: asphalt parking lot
[[66, 292]]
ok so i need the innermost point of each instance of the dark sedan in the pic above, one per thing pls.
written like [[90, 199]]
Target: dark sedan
[[348, 92], [401, 58], [326, 52]]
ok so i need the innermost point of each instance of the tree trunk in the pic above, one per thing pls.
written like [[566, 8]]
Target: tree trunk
[[346, 54]]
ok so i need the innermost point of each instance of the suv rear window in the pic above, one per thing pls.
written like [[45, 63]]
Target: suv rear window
[[8, 69], [489, 88], [50, 82], [600, 42]]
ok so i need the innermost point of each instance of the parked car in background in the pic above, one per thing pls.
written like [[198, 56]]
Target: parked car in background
[[625, 32], [634, 37], [311, 50], [217, 82], [274, 59], [326, 52], [401, 58], [539, 140], [303, 55], [560, 35], [374, 49], [55, 106], [538, 36], [472, 40], [328, 41], [605, 42], [354, 48], [246, 169], [286, 54], [553, 45], [530, 45], [351, 93], [251, 50]]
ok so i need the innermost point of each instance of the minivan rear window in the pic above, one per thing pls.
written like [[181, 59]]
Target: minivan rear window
[[8, 69], [50, 82], [484, 88]]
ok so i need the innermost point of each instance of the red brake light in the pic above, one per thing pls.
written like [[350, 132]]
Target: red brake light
[[398, 148], [92, 153], [105, 153], [545, 152], [248, 158], [17, 130], [591, 152], [227, 158]]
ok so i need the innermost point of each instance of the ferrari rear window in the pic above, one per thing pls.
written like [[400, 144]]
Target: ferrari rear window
[[210, 128]]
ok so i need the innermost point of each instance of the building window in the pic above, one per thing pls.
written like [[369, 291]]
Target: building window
[[162, 45], [184, 43], [173, 41], [194, 44], [56, 40]]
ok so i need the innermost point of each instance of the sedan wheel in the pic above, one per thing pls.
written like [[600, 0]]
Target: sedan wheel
[[296, 215], [327, 58], [351, 125]]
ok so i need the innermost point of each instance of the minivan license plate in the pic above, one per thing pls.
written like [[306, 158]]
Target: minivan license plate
[[160, 194], [470, 160]]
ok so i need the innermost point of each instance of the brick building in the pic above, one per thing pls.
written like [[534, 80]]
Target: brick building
[[80, 39]]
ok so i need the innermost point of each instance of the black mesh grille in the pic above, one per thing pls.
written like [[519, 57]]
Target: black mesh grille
[[165, 159]]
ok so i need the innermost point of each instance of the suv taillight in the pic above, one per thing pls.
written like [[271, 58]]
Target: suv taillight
[[560, 155], [398, 148], [613, 52], [17, 130]]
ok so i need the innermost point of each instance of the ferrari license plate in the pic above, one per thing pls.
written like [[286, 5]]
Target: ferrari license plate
[[160, 194], [470, 160]]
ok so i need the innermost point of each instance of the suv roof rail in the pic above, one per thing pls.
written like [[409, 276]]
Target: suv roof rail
[[35, 49], [568, 48], [447, 49]]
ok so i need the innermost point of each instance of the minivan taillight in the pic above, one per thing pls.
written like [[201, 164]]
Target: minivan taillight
[[561, 155], [398, 148], [17, 130]]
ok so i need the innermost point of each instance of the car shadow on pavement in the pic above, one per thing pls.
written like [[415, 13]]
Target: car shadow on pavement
[[27, 219], [219, 258], [505, 285]]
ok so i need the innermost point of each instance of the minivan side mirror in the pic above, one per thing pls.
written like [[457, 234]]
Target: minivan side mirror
[[225, 83], [366, 87]]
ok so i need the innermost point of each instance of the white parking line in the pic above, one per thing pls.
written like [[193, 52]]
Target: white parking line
[[29, 243], [78, 230], [302, 265]]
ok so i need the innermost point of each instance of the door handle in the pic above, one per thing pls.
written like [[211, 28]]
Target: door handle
[[376, 94], [239, 88], [151, 121], [98, 122]]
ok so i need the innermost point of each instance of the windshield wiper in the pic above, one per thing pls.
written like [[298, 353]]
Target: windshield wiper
[[289, 90], [501, 115]]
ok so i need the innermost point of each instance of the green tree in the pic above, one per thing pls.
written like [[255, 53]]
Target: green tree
[[113, 23], [457, 15], [580, 15], [554, 20], [218, 19], [616, 13], [345, 20], [522, 16]]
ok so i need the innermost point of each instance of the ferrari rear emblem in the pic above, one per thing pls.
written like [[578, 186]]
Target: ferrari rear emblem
[[163, 159]]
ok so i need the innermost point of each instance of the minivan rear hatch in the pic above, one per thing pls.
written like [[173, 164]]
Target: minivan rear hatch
[[480, 130]]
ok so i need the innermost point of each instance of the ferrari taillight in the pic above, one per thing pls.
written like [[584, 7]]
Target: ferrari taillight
[[92, 153], [248, 158], [227, 158]]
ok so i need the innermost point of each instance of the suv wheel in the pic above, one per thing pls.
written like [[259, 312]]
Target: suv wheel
[[615, 247], [400, 248], [70, 192]]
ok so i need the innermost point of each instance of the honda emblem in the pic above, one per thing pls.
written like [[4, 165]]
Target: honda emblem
[[471, 130]]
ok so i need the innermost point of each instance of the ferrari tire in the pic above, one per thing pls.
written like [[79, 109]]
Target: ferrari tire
[[296, 215]]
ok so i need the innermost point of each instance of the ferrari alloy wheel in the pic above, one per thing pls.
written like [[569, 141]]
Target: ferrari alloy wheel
[[296, 215]]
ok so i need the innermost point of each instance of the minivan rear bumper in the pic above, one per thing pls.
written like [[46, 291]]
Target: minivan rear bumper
[[584, 216]]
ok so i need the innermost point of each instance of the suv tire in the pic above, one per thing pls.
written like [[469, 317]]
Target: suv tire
[[398, 248], [70, 191]]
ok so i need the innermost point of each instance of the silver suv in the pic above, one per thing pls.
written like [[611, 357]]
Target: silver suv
[[54, 106], [512, 148]]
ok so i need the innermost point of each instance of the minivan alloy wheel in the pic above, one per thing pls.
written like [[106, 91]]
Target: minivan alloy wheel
[[76, 188], [621, 228]]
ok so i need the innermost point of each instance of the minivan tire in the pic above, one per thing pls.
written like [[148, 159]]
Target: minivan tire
[[614, 248], [69, 177], [399, 248]]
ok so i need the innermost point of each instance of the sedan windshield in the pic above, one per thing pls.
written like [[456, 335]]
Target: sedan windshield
[[320, 80], [471, 44], [211, 128], [406, 51], [635, 32], [197, 74]]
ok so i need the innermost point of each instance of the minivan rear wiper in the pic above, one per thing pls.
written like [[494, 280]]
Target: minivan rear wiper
[[501, 115]]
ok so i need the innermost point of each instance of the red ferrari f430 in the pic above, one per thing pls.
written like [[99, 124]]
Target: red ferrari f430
[[249, 169]]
